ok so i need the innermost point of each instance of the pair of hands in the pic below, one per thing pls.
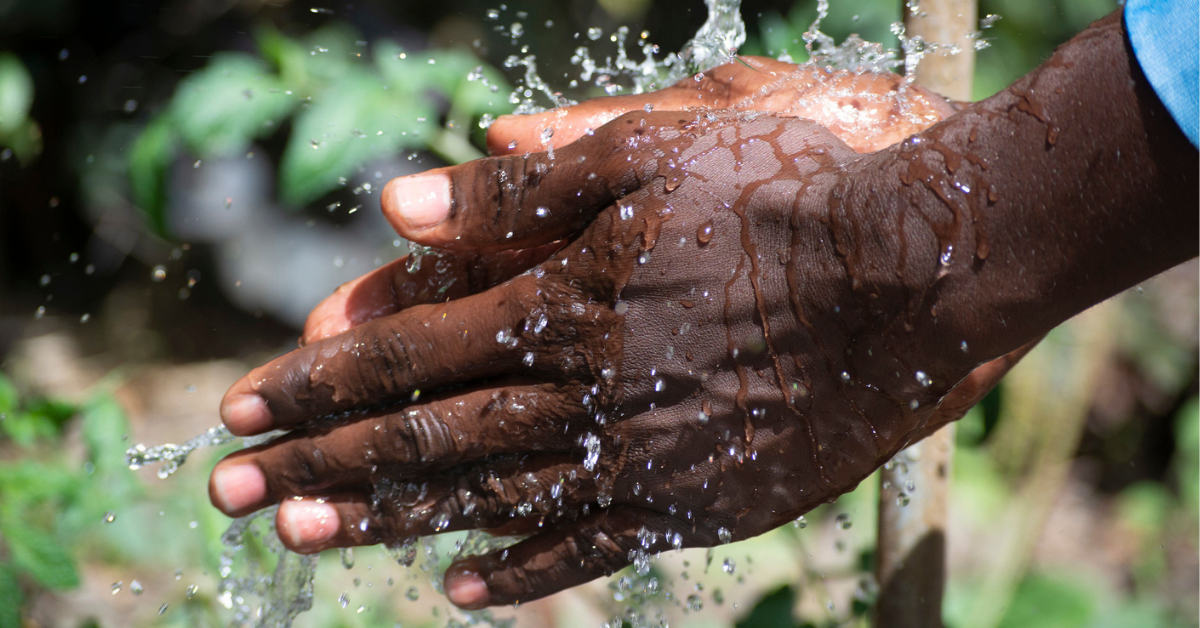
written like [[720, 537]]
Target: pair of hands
[[644, 336]]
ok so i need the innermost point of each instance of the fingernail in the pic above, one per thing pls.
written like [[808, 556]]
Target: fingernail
[[237, 487], [307, 522], [466, 589], [246, 414], [422, 200]]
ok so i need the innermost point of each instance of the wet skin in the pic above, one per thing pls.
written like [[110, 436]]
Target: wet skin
[[745, 315]]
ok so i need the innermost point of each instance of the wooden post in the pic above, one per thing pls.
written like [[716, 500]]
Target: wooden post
[[911, 554]]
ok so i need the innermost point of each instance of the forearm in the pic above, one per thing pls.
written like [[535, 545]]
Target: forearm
[[1066, 188]]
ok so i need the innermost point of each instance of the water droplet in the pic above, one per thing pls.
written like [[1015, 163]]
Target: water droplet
[[136, 588], [116, 587], [591, 443], [659, 385], [923, 379], [800, 522], [843, 521], [963, 346], [724, 535], [621, 307], [728, 566], [85, 318], [160, 273], [109, 517], [441, 521], [347, 557], [542, 212], [162, 610], [528, 359], [705, 233], [191, 591], [626, 209], [594, 33], [412, 593], [344, 599]]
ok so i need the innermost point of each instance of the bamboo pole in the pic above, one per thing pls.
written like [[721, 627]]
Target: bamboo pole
[[911, 554]]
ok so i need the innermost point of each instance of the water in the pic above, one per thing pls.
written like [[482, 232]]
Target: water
[[264, 584]]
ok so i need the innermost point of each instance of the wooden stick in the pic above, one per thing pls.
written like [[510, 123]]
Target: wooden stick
[[911, 553]]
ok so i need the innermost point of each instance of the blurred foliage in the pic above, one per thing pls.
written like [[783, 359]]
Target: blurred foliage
[[18, 132], [47, 499], [342, 110]]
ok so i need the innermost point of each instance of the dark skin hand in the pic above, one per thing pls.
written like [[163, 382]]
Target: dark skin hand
[[754, 318]]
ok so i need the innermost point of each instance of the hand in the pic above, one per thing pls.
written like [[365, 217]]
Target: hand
[[866, 111], [682, 374]]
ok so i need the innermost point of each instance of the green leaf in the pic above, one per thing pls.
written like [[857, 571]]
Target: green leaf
[[358, 118], [1187, 452], [219, 110], [11, 598], [774, 610], [52, 410], [1144, 506], [39, 555], [1042, 601], [16, 94], [104, 430], [8, 395], [25, 428], [149, 158], [29, 482], [447, 73]]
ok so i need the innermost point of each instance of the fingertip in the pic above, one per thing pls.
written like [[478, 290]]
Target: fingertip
[[417, 202], [245, 413], [235, 488], [502, 135], [465, 587], [305, 525]]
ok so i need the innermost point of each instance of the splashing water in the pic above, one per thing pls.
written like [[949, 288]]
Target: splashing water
[[171, 455], [716, 42]]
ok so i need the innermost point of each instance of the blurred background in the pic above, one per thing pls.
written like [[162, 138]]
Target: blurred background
[[181, 181]]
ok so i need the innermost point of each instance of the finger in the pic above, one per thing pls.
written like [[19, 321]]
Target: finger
[[723, 87], [566, 555], [482, 496], [417, 440], [518, 201], [514, 328], [440, 276]]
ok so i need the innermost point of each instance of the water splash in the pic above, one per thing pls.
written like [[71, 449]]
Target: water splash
[[256, 597], [717, 41], [172, 455]]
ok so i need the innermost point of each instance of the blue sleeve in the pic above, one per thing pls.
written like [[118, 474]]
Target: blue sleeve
[[1166, 40]]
